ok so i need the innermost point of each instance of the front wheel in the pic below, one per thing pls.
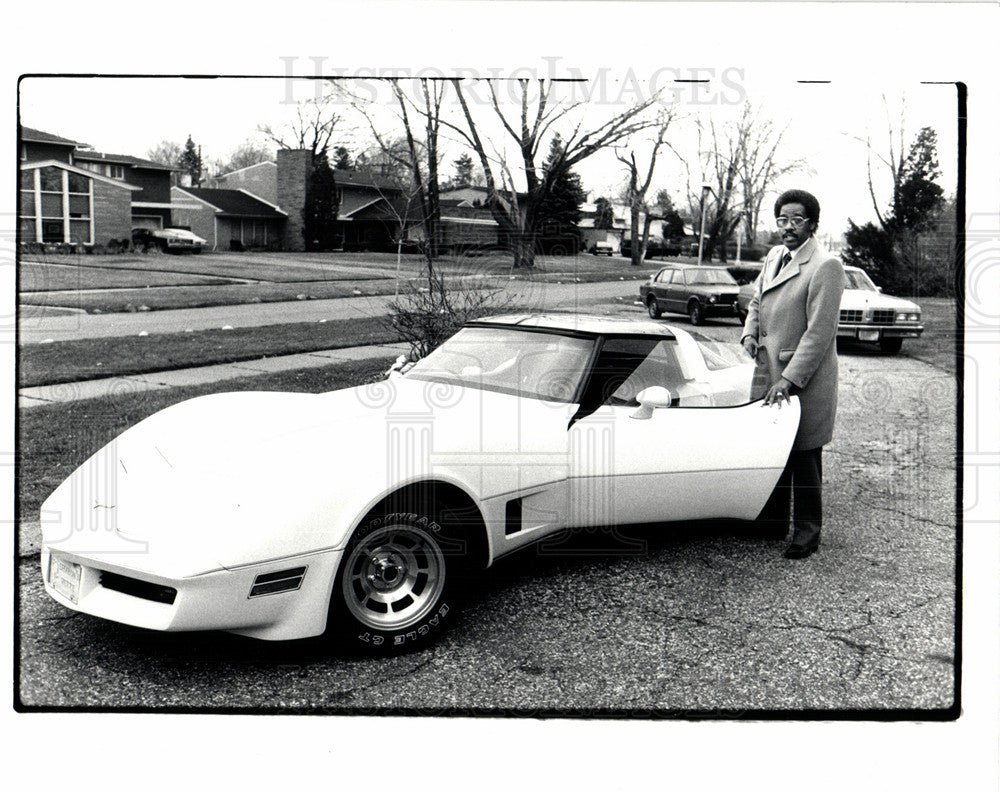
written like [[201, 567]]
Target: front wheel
[[653, 307], [695, 313], [393, 588], [891, 346]]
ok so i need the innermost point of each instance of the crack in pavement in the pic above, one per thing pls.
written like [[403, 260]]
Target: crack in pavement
[[382, 679]]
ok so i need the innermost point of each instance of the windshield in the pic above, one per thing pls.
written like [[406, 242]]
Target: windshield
[[536, 365], [709, 277], [720, 354], [856, 279]]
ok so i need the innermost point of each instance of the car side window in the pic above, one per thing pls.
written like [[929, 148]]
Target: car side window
[[663, 277], [660, 366], [626, 366]]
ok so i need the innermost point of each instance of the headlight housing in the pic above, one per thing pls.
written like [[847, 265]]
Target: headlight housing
[[712, 298], [908, 316]]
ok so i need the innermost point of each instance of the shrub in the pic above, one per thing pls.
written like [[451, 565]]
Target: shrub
[[426, 316]]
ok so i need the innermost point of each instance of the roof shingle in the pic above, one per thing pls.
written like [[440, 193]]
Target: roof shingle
[[234, 202]]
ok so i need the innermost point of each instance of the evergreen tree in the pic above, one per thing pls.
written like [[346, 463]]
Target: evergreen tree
[[559, 211], [191, 163], [916, 198], [319, 217], [342, 159], [891, 253], [463, 171], [673, 224], [604, 214]]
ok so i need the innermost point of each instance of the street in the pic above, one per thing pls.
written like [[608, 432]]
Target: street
[[36, 325]]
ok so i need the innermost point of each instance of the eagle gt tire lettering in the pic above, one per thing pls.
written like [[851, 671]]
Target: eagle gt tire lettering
[[395, 582]]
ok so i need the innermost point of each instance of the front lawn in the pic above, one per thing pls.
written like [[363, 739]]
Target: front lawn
[[95, 358]]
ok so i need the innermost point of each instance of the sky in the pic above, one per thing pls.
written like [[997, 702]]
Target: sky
[[825, 125]]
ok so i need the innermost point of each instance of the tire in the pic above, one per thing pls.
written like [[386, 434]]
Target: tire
[[695, 313], [395, 584], [653, 307], [890, 346]]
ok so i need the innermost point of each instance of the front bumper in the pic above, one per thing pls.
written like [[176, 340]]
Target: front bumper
[[874, 332], [218, 600], [720, 308]]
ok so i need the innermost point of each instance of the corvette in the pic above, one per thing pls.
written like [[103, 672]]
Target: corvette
[[362, 513]]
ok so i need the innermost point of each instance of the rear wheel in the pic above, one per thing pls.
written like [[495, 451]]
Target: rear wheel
[[653, 307], [395, 582], [695, 312], [891, 346]]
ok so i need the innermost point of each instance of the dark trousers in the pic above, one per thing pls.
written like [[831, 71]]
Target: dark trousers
[[801, 482]]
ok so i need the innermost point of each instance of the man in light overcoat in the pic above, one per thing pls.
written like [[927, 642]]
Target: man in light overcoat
[[791, 331]]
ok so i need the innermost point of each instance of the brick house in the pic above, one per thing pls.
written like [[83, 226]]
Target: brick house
[[71, 194], [38, 146], [229, 219], [151, 204], [260, 180]]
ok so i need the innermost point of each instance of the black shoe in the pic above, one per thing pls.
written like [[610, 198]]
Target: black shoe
[[805, 542], [800, 551]]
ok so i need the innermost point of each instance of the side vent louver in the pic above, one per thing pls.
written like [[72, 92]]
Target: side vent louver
[[514, 523], [276, 582]]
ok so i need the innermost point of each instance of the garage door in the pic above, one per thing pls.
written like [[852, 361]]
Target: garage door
[[152, 222]]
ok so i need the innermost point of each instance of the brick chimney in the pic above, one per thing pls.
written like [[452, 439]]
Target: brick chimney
[[293, 172]]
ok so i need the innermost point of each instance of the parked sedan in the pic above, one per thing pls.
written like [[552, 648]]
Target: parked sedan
[[865, 313], [363, 512], [169, 240], [697, 291]]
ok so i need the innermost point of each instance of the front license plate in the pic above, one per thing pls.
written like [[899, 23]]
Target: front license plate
[[867, 335], [64, 577]]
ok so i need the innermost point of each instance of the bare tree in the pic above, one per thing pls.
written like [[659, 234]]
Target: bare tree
[[312, 129], [893, 160], [168, 152], [517, 213], [248, 153], [737, 161], [637, 187], [420, 121], [760, 168]]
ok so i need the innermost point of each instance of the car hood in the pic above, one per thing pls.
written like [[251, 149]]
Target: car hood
[[860, 299], [711, 289], [177, 233], [238, 478]]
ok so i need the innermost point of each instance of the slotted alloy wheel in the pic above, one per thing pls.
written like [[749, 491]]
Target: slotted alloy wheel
[[393, 577]]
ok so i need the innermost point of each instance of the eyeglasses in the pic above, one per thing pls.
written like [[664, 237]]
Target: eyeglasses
[[795, 222]]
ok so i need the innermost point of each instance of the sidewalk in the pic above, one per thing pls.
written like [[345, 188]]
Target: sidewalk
[[91, 389]]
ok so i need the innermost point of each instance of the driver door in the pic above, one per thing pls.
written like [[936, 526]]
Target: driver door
[[692, 460]]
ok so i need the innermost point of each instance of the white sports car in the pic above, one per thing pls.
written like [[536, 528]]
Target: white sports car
[[358, 512]]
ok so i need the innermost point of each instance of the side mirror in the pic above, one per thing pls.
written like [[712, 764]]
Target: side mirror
[[655, 397], [401, 365]]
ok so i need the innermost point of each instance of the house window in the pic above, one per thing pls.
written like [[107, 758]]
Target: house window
[[24, 152], [116, 171], [51, 179], [79, 184], [63, 202], [52, 231]]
